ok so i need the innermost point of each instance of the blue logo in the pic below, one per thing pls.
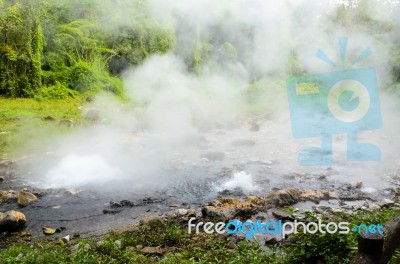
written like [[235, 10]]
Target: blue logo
[[343, 101]]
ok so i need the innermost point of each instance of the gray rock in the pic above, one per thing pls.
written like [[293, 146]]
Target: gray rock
[[374, 206], [387, 203]]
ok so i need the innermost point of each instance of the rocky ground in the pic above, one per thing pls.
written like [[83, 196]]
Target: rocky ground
[[205, 184]]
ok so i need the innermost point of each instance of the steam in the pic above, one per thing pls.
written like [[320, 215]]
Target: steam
[[178, 112]]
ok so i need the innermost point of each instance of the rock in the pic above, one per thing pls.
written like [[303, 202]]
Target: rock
[[153, 250], [139, 247], [314, 195], [217, 213], [26, 198], [12, 221], [182, 212], [271, 241], [111, 211], [70, 192], [282, 198], [387, 203], [1, 179], [374, 206], [114, 204], [152, 220], [243, 143], [358, 185], [282, 215], [48, 118], [76, 235], [48, 231], [8, 196], [215, 155]]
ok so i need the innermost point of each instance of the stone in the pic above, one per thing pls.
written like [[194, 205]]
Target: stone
[[216, 213], [182, 212], [26, 198], [153, 250], [70, 192], [12, 221], [358, 185], [8, 196], [111, 211], [282, 198], [387, 203], [282, 215], [1, 179], [270, 241], [48, 231], [374, 206]]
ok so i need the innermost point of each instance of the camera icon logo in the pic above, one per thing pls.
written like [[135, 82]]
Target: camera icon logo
[[344, 101]]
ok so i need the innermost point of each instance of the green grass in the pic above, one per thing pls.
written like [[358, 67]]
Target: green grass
[[182, 247], [23, 123]]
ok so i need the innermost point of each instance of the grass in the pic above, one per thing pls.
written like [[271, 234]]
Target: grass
[[181, 247], [24, 122]]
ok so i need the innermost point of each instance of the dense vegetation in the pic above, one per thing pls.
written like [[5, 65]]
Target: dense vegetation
[[63, 49], [57, 49]]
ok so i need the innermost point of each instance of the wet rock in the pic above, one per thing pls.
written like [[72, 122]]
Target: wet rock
[[26, 198], [48, 231], [114, 204], [271, 241], [216, 213], [76, 235], [237, 192], [322, 209], [1, 179], [282, 215], [314, 195], [358, 185], [243, 143], [245, 213], [214, 156], [70, 192], [374, 206], [387, 203], [8, 196], [12, 221], [182, 212], [282, 198], [111, 211], [153, 250]]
